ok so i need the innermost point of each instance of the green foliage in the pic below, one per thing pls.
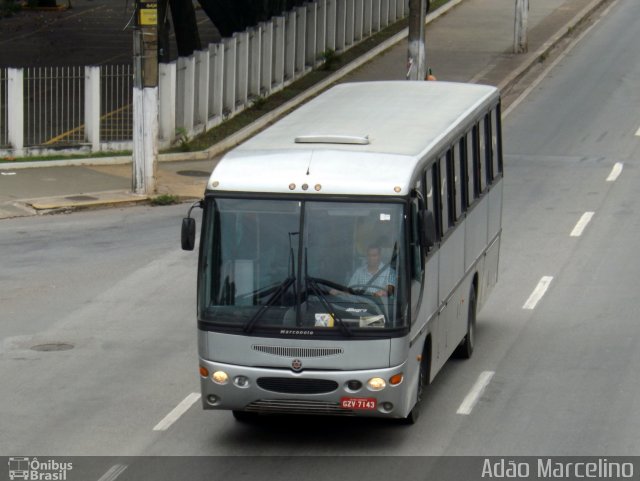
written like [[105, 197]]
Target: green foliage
[[182, 139], [330, 59], [165, 199], [258, 102]]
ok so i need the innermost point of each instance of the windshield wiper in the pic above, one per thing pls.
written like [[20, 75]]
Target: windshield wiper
[[274, 297], [313, 283]]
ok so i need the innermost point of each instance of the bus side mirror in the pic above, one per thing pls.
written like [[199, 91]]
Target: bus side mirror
[[428, 229], [188, 235]]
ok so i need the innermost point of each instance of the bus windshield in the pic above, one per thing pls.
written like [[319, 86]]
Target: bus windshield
[[330, 266]]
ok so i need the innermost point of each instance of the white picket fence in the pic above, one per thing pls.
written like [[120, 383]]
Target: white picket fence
[[198, 92]]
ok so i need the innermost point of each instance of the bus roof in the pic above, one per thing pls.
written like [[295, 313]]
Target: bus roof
[[357, 138]]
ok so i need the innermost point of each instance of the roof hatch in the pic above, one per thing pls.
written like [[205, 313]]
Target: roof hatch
[[333, 139]]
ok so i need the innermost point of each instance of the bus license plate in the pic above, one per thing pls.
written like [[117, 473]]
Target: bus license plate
[[358, 403]]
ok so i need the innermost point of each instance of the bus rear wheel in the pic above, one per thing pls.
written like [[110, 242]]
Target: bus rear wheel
[[465, 349]]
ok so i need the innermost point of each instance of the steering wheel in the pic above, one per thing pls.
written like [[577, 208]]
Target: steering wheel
[[377, 300]]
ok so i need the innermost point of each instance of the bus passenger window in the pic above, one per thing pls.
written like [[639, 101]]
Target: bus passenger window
[[430, 195], [453, 211], [444, 195], [495, 142], [482, 160], [470, 157], [458, 184]]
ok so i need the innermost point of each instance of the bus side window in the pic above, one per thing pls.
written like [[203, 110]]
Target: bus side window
[[430, 196], [496, 142], [437, 201], [470, 157], [481, 167], [454, 211], [444, 195], [458, 184]]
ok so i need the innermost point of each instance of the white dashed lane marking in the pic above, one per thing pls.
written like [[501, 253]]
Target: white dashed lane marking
[[538, 292], [476, 391], [615, 172], [178, 411], [582, 224]]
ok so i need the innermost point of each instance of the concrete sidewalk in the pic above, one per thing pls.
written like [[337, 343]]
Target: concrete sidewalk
[[467, 41]]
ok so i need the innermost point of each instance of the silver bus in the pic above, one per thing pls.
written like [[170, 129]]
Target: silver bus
[[345, 250]]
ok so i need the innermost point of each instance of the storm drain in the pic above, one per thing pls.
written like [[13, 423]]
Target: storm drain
[[194, 173], [52, 346]]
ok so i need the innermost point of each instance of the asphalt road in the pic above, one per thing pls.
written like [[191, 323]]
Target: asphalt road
[[115, 287]]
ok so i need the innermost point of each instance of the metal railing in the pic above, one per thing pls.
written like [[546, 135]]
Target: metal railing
[[91, 107], [54, 106], [116, 87]]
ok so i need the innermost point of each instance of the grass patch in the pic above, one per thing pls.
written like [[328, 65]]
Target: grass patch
[[35, 158], [165, 199]]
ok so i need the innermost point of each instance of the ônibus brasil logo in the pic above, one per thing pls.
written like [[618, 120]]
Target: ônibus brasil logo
[[33, 469]]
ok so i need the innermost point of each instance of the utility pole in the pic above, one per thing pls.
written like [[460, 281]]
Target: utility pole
[[520, 43], [417, 55], [145, 98]]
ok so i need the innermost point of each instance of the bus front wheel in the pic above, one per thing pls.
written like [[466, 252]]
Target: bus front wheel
[[423, 380], [244, 416], [465, 349]]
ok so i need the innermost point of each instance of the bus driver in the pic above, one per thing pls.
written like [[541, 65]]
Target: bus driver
[[374, 278]]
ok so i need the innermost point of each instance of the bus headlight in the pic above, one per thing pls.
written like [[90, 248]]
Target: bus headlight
[[376, 384], [220, 377]]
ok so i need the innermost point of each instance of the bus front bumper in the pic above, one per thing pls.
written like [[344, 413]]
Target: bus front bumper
[[282, 391]]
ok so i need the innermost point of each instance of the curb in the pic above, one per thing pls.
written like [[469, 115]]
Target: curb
[[540, 54], [85, 201]]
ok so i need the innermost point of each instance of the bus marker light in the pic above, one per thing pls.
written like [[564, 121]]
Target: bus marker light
[[318, 187], [220, 377], [376, 384], [396, 379], [212, 399], [292, 186], [397, 189], [204, 372]]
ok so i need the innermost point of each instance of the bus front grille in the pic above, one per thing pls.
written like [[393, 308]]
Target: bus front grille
[[297, 386], [286, 406], [288, 351]]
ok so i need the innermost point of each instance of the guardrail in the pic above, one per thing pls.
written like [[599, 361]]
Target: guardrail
[[90, 109]]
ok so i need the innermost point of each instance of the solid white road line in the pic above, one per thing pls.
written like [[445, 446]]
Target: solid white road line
[[638, 133], [581, 224], [615, 172], [538, 292], [115, 471], [178, 411], [476, 391]]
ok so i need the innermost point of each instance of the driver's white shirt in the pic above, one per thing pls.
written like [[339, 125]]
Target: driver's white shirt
[[362, 277]]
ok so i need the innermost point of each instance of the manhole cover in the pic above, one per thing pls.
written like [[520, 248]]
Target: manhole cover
[[81, 197], [194, 173], [53, 346]]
